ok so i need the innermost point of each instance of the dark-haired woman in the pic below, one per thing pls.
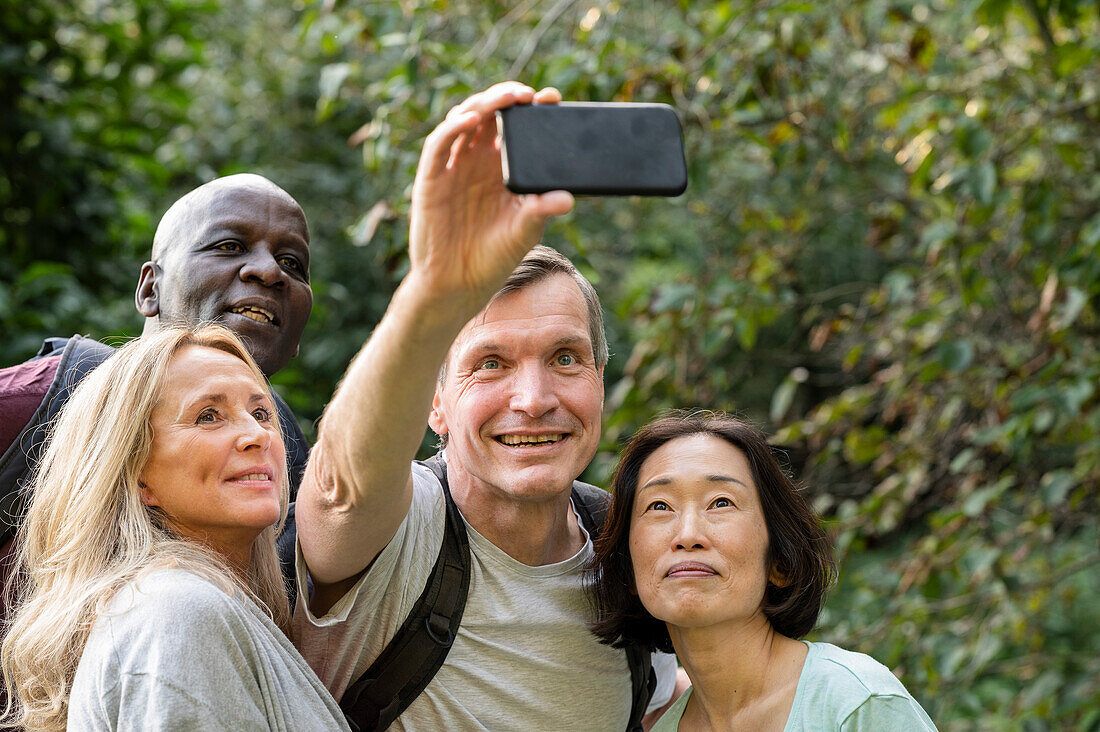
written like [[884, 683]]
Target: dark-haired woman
[[710, 550]]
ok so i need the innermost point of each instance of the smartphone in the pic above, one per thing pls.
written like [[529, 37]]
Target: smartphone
[[592, 148]]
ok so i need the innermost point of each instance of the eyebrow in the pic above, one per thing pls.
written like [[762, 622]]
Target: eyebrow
[[219, 398], [713, 478]]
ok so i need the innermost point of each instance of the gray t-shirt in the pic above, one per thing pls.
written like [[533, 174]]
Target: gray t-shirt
[[175, 652], [838, 691], [523, 657]]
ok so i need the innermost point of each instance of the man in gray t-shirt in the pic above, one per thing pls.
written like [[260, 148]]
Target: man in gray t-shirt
[[511, 378]]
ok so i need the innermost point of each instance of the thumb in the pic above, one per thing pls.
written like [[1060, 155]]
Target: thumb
[[536, 209]]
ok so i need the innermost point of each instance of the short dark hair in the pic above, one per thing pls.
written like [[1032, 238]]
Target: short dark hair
[[798, 547]]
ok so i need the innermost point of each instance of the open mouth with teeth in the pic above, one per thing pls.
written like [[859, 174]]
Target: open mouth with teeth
[[529, 440], [255, 313]]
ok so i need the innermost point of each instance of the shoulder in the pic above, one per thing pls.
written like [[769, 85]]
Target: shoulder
[[172, 607], [855, 672], [857, 691]]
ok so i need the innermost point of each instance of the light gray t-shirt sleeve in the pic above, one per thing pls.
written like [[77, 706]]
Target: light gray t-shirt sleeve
[[148, 668], [174, 652]]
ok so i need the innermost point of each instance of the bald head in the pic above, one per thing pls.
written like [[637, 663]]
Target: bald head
[[179, 223], [234, 251]]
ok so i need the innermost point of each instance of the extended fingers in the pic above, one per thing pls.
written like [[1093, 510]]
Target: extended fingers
[[549, 95], [461, 126], [441, 140], [498, 96]]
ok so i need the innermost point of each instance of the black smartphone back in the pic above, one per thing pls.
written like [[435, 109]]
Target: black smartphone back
[[594, 148]]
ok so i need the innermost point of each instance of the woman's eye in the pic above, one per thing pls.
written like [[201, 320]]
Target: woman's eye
[[657, 506], [566, 359], [207, 416], [722, 503], [261, 415]]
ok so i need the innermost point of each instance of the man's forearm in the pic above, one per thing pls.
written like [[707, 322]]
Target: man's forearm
[[357, 493]]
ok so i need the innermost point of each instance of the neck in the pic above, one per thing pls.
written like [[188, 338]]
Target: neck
[[736, 670], [235, 548], [535, 532]]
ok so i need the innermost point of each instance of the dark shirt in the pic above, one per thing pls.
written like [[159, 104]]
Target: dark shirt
[[21, 390]]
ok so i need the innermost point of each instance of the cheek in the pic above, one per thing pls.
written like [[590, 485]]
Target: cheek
[[642, 560]]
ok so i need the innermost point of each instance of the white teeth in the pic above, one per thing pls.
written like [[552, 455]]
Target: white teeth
[[258, 314], [529, 439], [255, 476]]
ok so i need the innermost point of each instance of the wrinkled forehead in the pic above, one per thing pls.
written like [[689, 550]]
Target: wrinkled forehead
[[198, 370], [550, 309], [233, 207]]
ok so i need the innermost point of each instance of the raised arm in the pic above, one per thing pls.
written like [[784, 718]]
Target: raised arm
[[467, 233]]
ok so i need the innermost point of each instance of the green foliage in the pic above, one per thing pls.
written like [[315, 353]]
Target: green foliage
[[87, 90], [888, 254]]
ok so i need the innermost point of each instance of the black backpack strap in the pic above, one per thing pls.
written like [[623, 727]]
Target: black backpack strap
[[79, 355], [417, 651], [592, 504]]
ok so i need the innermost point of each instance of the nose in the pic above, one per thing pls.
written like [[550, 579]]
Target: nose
[[260, 266], [534, 391], [690, 531], [252, 435]]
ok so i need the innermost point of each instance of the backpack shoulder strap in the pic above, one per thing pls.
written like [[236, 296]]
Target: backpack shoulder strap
[[592, 504], [79, 355], [417, 651]]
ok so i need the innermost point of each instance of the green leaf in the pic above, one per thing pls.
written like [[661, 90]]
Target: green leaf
[[984, 182], [956, 355], [1055, 486]]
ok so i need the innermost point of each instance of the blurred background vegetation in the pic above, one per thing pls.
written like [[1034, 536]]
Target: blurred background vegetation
[[888, 255]]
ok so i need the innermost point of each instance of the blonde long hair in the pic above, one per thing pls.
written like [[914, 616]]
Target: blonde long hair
[[87, 532]]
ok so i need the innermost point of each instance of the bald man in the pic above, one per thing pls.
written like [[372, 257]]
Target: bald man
[[235, 251]]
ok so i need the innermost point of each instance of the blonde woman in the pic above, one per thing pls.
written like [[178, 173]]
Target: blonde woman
[[150, 595]]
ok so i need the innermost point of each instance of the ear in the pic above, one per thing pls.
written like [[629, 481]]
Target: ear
[[147, 496], [777, 577], [147, 296], [436, 418]]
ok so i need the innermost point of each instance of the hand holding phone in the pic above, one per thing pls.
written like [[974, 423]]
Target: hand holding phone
[[594, 148]]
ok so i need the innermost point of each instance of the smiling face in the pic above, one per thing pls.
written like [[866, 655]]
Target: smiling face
[[235, 251], [217, 457], [698, 539], [521, 400]]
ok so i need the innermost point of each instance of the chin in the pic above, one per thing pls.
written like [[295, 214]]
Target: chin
[[541, 481], [687, 610]]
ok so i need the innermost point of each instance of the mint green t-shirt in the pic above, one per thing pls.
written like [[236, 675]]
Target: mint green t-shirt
[[839, 690]]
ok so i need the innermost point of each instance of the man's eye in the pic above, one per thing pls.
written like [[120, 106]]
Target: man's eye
[[207, 416], [566, 359], [229, 245], [657, 506], [489, 364], [291, 263]]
